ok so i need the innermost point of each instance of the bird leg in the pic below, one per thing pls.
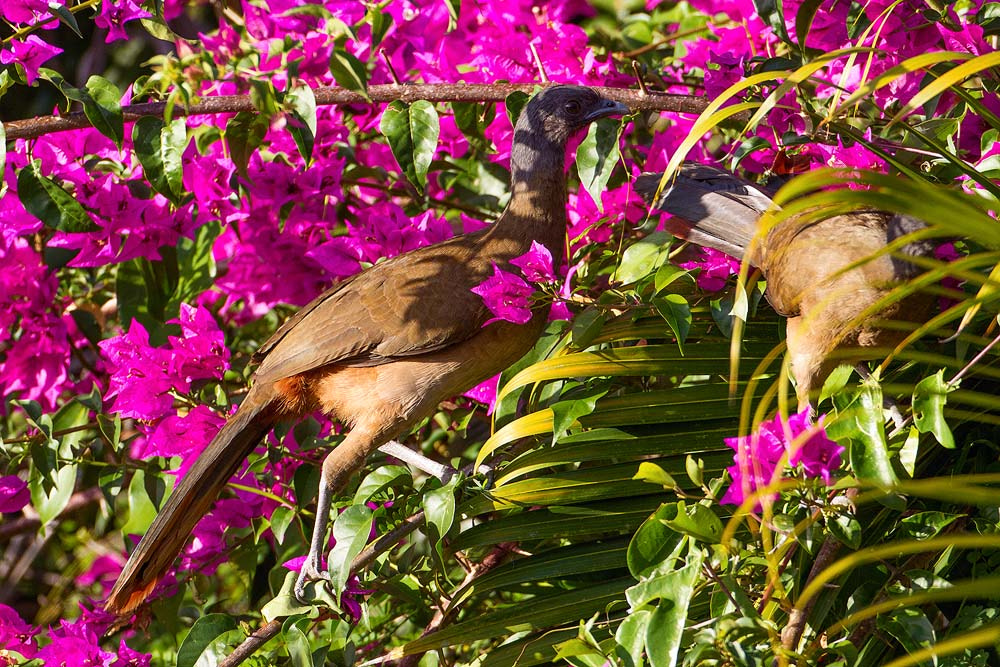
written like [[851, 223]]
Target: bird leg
[[400, 451], [338, 466]]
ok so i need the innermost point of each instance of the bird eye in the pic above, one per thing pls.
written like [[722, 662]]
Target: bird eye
[[572, 107]]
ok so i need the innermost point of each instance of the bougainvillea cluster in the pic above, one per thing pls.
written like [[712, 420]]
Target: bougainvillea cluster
[[760, 458], [288, 226]]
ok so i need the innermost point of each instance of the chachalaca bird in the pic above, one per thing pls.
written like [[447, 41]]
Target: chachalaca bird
[[381, 350], [808, 267]]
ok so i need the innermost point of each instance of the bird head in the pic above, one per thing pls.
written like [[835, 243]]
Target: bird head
[[558, 112]]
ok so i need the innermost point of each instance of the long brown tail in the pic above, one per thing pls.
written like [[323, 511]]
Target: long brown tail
[[714, 208], [191, 500]]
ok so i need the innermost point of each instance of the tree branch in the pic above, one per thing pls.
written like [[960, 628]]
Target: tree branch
[[433, 92]]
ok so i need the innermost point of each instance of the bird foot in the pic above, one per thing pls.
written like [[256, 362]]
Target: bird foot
[[311, 571]]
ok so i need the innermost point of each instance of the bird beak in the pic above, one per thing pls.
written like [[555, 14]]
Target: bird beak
[[605, 109]]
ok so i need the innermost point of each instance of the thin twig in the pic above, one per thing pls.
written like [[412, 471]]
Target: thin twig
[[326, 96]]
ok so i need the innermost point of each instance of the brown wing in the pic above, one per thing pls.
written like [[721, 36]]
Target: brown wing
[[408, 305]]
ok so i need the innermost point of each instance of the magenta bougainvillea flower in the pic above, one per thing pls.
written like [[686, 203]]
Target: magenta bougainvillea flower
[[29, 54], [776, 442], [115, 14], [536, 264], [506, 295], [715, 268], [15, 634], [13, 493]]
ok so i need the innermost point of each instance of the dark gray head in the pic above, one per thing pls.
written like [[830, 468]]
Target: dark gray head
[[558, 112]]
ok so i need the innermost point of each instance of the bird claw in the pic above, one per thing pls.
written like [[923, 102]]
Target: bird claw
[[311, 571]]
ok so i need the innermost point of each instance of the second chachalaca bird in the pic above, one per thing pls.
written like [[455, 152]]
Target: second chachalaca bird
[[381, 350], [808, 266]]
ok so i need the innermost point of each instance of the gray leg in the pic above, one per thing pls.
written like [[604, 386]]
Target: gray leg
[[338, 466]]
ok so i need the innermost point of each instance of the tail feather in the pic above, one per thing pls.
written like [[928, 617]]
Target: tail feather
[[712, 207], [190, 501]]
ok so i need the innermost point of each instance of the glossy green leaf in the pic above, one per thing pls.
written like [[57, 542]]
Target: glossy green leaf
[[297, 645], [412, 131], [348, 71], [676, 311], [650, 472], [929, 398], [380, 479], [653, 542], [102, 106], [861, 424], [159, 149], [47, 201], [206, 642], [566, 413], [514, 104], [302, 121], [350, 530], [597, 156], [244, 133], [196, 269], [695, 520], [439, 508], [643, 257]]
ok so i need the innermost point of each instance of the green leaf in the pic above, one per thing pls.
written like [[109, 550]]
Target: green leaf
[[298, 646], [439, 508], [144, 289], [597, 156], [302, 125], [160, 149], [281, 518], [514, 104], [284, 603], [654, 474], [667, 274], [348, 71], [861, 424], [565, 413], [673, 589], [379, 479], [653, 542], [48, 202], [473, 119], [351, 531], [929, 398], [66, 17], [102, 106], [244, 134], [674, 309], [697, 521], [412, 131], [141, 509], [909, 626], [643, 257], [206, 641], [380, 22], [847, 529], [631, 635], [586, 326], [158, 28], [196, 268]]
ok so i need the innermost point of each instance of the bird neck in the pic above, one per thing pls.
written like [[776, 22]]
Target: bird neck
[[537, 207]]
